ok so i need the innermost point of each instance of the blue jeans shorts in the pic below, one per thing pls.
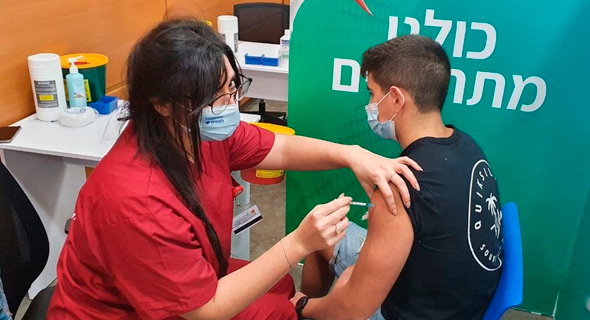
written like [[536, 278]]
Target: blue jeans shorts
[[4, 312], [346, 253]]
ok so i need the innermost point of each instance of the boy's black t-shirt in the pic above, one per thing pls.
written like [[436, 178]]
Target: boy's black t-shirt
[[455, 262]]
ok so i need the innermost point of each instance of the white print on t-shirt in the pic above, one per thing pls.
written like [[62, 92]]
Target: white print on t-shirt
[[484, 218]]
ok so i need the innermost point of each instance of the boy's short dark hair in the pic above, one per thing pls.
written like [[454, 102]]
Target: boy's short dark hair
[[415, 63]]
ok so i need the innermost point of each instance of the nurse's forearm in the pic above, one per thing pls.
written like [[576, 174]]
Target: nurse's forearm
[[306, 154], [239, 289]]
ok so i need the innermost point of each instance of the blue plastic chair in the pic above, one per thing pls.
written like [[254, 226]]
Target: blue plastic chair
[[509, 291]]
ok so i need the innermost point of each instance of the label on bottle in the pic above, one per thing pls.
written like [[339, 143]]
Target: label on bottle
[[87, 89], [87, 85], [79, 94], [46, 94], [235, 41]]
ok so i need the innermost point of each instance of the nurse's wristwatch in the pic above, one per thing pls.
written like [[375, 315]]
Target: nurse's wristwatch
[[301, 303]]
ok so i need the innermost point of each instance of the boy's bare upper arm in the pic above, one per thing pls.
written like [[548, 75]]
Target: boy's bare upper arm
[[384, 254]]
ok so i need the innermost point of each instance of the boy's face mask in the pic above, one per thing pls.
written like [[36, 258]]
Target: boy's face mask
[[385, 130]]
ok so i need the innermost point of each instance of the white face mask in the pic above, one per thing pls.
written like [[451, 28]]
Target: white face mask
[[219, 126], [385, 130]]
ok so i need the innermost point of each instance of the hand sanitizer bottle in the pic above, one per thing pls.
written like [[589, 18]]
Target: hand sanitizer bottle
[[284, 49], [76, 85]]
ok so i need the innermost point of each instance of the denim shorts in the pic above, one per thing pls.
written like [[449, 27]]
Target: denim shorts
[[4, 312], [346, 253]]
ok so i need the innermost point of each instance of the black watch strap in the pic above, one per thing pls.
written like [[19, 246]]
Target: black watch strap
[[301, 303]]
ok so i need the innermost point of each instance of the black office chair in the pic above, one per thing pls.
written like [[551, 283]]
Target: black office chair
[[263, 22], [24, 247]]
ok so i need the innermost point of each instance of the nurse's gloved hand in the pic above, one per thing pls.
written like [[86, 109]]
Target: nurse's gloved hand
[[374, 170], [324, 226]]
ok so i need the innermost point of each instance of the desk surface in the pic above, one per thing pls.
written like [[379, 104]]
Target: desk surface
[[255, 48], [51, 138]]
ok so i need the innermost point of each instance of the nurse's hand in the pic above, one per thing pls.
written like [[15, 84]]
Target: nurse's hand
[[324, 226], [371, 169]]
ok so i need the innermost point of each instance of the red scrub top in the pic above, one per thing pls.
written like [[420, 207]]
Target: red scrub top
[[134, 250]]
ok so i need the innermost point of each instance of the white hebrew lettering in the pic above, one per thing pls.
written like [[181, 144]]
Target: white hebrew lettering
[[519, 87], [490, 41], [459, 39], [414, 25], [337, 75], [445, 26], [393, 24], [459, 85], [480, 79]]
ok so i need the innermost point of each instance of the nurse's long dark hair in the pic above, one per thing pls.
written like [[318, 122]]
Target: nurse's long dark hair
[[173, 73]]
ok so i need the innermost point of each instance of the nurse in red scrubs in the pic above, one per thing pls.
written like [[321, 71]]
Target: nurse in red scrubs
[[151, 235]]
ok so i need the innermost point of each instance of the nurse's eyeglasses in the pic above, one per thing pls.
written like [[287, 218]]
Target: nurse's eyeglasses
[[240, 86]]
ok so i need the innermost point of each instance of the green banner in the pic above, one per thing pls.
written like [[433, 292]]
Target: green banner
[[520, 78], [574, 298]]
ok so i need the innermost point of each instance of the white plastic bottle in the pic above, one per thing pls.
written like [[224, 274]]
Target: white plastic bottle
[[48, 86], [228, 29], [76, 85], [284, 49]]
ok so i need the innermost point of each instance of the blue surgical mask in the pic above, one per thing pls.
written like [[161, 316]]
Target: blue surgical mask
[[385, 130], [218, 126]]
